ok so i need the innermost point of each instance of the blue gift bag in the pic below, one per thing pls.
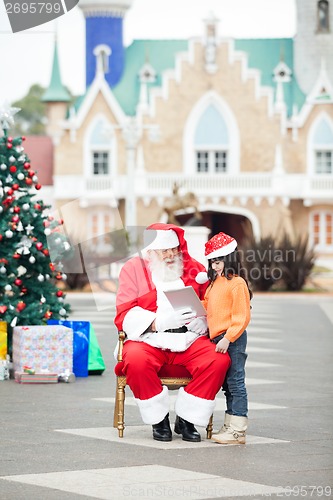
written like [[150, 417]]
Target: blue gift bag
[[81, 330]]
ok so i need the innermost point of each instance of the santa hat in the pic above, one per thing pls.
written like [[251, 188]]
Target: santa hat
[[160, 239], [220, 245]]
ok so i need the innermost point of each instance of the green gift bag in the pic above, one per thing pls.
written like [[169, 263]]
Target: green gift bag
[[96, 365]]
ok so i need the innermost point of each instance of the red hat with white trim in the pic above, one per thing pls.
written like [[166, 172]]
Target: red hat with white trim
[[220, 245]]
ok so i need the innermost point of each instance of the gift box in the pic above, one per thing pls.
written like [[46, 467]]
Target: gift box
[[36, 378], [3, 339], [46, 348], [87, 355], [81, 333]]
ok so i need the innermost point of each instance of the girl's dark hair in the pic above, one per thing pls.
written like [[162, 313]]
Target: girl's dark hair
[[232, 267]]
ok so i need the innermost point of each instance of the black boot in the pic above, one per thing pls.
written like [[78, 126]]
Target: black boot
[[187, 430], [162, 430]]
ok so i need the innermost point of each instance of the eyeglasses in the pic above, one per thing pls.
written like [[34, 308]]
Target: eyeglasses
[[173, 250]]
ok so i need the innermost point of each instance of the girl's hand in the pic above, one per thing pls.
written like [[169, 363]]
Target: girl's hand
[[222, 345]]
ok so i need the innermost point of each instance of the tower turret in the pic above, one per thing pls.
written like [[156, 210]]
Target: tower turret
[[104, 26], [313, 41]]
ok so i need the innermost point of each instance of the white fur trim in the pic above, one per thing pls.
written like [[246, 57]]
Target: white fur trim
[[136, 321], [193, 409], [162, 240], [153, 410], [222, 252]]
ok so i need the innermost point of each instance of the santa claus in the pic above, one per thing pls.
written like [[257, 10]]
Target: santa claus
[[156, 335]]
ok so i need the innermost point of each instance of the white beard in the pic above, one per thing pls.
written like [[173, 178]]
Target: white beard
[[166, 270]]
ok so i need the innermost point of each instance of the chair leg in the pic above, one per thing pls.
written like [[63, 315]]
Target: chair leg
[[209, 428], [121, 408], [116, 409]]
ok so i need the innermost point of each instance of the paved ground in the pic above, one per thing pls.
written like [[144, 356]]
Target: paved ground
[[57, 441]]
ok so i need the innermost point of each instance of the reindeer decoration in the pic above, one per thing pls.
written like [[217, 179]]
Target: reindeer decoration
[[180, 202]]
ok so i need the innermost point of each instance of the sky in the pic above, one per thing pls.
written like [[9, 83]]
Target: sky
[[26, 57]]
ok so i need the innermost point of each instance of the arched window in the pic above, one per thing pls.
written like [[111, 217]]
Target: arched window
[[323, 16], [100, 152], [322, 144], [211, 142]]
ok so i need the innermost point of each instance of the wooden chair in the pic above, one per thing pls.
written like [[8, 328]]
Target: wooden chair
[[172, 376]]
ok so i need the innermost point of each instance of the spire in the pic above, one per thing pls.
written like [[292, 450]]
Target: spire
[[56, 91]]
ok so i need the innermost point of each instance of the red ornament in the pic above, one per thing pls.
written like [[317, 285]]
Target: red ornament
[[58, 276], [8, 201], [9, 145], [31, 173], [17, 210], [10, 139], [46, 252], [48, 314], [3, 309], [26, 166], [52, 266], [24, 290], [37, 206], [15, 218], [39, 245], [12, 169], [10, 192], [46, 223], [23, 137], [20, 306], [28, 181], [1, 237], [16, 256], [59, 293], [18, 282], [15, 186], [38, 186]]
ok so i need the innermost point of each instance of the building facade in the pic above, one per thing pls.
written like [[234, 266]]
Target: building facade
[[245, 125]]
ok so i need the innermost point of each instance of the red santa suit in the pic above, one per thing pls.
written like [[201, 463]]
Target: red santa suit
[[140, 297]]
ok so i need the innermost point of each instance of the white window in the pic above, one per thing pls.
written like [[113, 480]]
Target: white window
[[321, 230], [323, 162], [321, 147], [211, 142], [100, 162], [100, 146], [212, 161]]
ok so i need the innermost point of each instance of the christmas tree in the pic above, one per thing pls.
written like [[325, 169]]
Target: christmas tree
[[29, 294]]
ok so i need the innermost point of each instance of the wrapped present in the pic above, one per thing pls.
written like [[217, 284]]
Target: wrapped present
[[87, 355], [81, 333], [3, 339], [36, 378], [46, 348]]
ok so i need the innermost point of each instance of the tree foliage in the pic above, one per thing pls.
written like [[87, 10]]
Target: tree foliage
[[32, 118]]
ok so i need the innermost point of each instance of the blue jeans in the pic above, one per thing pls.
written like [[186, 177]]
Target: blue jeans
[[234, 383]]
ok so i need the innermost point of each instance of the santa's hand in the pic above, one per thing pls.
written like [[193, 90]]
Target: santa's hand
[[198, 325], [177, 319]]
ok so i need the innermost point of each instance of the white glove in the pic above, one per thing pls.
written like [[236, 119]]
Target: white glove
[[198, 325], [176, 319]]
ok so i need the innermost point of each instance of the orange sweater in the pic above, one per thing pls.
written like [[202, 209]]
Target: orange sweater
[[227, 303]]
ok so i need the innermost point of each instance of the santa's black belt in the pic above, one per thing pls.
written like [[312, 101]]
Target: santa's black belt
[[182, 329]]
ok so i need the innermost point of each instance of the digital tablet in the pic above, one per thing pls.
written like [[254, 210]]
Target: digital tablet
[[185, 298]]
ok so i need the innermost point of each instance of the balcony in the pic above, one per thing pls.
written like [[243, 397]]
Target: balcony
[[291, 186]]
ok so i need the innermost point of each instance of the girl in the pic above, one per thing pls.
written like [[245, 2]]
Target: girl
[[227, 301]]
